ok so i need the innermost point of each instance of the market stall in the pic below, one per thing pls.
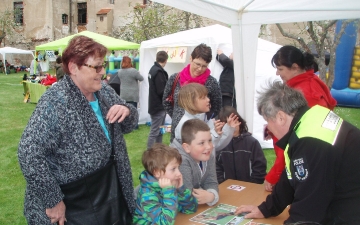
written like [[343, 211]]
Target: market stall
[[5, 51], [35, 91]]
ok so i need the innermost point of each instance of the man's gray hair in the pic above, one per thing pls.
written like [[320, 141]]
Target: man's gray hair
[[279, 96]]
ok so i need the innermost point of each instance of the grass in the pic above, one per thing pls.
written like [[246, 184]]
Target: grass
[[14, 115]]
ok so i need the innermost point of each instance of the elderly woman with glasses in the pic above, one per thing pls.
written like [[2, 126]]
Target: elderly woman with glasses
[[195, 72], [74, 129]]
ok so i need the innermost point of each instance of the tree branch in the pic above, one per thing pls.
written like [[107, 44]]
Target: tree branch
[[291, 36]]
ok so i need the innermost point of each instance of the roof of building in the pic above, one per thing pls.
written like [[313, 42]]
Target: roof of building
[[103, 11]]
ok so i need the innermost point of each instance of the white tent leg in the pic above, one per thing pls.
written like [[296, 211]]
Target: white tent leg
[[245, 48]]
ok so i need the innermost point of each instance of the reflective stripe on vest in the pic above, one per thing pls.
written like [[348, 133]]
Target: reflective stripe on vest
[[318, 122]]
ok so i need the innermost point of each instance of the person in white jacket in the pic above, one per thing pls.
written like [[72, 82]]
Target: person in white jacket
[[193, 98]]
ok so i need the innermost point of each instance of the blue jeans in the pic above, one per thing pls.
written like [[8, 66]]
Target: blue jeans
[[155, 135]]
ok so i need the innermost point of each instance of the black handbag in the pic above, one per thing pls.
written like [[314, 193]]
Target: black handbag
[[97, 198]]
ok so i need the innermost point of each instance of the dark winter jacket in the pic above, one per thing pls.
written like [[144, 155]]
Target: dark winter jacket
[[325, 177], [242, 159], [226, 79], [157, 81]]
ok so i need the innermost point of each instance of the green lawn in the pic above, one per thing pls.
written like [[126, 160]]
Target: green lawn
[[14, 115]]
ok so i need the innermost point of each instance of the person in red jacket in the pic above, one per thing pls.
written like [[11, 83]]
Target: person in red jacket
[[296, 70]]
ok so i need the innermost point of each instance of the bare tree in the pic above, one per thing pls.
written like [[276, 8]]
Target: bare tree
[[7, 24], [322, 35], [152, 20]]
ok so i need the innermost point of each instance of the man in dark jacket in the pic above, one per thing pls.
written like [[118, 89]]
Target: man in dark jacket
[[226, 79], [321, 180], [157, 81]]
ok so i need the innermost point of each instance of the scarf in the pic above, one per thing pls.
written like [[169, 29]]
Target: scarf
[[186, 78]]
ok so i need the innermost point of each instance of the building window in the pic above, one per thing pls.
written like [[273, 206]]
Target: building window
[[64, 18], [112, 1], [101, 18], [82, 13], [19, 13]]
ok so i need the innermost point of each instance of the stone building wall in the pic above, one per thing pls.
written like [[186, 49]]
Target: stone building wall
[[43, 19]]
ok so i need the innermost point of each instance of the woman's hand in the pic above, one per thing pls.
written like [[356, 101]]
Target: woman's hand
[[117, 113], [233, 120], [57, 213], [253, 212], [203, 196], [268, 186]]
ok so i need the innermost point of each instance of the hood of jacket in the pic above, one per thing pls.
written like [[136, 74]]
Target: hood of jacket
[[149, 181]]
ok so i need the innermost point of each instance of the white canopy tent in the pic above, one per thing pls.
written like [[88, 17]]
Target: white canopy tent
[[245, 18], [215, 36], [9, 50]]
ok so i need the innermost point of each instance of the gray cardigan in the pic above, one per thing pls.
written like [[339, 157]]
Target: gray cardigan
[[64, 141], [190, 170], [129, 86]]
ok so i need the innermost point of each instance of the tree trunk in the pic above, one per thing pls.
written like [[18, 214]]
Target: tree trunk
[[331, 77], [322, 67], [2, 36], [187, 20]]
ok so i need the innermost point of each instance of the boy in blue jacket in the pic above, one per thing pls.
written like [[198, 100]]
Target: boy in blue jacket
[[162, 192]]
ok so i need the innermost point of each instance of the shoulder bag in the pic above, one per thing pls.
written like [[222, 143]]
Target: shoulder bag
[[97, 198], [170, 98]]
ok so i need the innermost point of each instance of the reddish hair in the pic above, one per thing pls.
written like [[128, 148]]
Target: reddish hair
[[126, 62], [81, 48]]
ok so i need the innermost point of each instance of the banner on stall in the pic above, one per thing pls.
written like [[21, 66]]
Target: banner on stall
[[51, 56], [176, 54]]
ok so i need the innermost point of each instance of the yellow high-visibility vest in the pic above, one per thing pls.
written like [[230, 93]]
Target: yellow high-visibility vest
[[318, 122]]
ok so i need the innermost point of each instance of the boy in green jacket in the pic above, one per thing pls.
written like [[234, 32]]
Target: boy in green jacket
[[162, 192]]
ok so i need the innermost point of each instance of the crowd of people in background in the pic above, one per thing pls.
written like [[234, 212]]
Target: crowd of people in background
[[316, 170]]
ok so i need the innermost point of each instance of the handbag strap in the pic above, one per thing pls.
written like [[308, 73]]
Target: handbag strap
[[174, 84]]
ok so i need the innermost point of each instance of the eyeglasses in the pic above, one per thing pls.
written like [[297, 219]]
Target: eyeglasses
[[97, 68], [198, 65]]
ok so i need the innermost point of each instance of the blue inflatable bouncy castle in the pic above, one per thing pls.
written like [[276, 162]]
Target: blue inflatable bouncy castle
[[346, 86]]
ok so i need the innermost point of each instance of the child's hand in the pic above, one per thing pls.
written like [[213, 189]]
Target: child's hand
[[203, 196], [233, 120], [218, 125], [164, 182]]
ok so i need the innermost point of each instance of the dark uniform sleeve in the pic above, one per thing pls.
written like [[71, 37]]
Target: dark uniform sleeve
[[312, 186]]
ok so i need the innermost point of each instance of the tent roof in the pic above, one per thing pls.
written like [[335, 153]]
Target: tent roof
[[192, 37], [268, 11], [109, 42], [6, 50]]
